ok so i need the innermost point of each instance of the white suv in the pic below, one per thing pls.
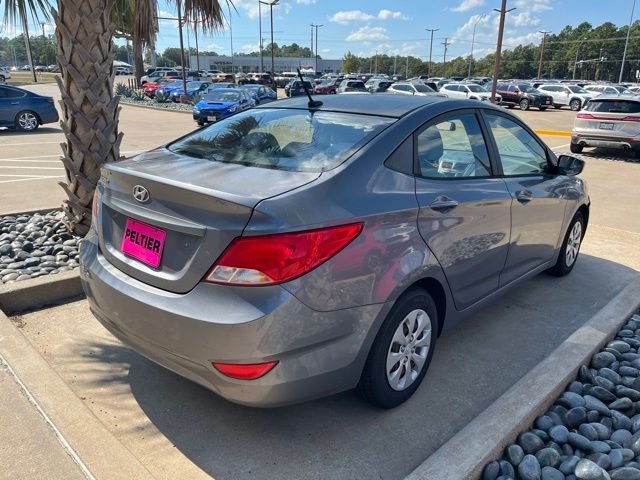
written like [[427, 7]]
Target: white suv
[[573, 96], [472, 91], [5, 74]]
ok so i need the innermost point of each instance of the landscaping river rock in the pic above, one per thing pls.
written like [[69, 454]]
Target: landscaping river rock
[[592, 432], [35, 245]]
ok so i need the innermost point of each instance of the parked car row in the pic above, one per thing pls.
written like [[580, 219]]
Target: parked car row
[[24, 110]]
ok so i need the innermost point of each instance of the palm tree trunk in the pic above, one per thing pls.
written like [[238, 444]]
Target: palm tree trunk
[[138, 60], [89, 108]]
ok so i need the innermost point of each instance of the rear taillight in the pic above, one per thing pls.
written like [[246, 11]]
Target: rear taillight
[[631, 119], [271, 259], [585, 116], [245, 372]]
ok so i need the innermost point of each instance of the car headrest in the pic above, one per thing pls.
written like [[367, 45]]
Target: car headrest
[[260, 141], [430, 145]]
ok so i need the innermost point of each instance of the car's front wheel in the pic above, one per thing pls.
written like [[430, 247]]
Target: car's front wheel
[[575, 105], [524, 104], [27, 121], [2, 79], [570, 247], [402, 351], [556, 106]]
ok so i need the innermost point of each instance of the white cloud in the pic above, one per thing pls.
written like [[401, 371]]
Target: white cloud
[[250, 47], [344, 17], [368, 34], [305, 2], [535, 6], [466, 5], [214, 46], [390, 15]]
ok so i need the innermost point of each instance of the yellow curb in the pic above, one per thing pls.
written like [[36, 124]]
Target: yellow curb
[[553, 132]]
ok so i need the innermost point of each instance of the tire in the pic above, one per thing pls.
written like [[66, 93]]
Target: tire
[[415, 309], [556, 106], [201, 123], [2, 79], [27, 121], [542, 109], [575, 105], [575, 148], [570, 248], [524, 104]]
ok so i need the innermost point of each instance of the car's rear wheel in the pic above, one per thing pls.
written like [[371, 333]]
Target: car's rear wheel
[[542, 109], [27, 121], [2, 79], [402, 351], [575, 105], [556, 106], [570, 248], [524, 104], [575, 148]]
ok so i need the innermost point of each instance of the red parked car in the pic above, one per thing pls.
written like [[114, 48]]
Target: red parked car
[[327, 86], [150, 88]]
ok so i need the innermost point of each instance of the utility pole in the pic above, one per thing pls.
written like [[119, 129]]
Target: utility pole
[[430, 47], [231, 39], [575, 63], [375, 69], [626, 45], [182, 62], [275, 2], [395, 62], [406, 71], [473, 41], [260, 23], [312, 40], [496, 68], [544, 37], [195, 33], [316, 52], [446, 44]]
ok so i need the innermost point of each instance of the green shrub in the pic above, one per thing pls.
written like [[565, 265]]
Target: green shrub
[[162, 97]]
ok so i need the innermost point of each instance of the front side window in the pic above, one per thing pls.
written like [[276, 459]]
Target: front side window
[[520, 153], [283, 139], [453, 148]]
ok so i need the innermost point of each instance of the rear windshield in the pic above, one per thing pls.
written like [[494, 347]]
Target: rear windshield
[[422, 88], [295, 140], [613, 106], [355, 85]]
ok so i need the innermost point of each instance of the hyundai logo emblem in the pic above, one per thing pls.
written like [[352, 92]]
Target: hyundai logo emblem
[[141, 194]]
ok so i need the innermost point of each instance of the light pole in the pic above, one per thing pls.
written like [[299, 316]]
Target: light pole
[[626, 45], [430, 47], [576, 61], [473, 41], [544, 37], [316, 52], [231, 38], [260, 22], [446, 44], [271, 4]]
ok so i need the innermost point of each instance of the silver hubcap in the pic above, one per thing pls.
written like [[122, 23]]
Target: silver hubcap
[[28, 121], [573, 244], [408, 350]]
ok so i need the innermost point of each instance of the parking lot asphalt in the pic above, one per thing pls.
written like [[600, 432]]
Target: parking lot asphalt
[[173, 425]]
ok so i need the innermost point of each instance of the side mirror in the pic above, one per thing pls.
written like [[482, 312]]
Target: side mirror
[[569, 165]]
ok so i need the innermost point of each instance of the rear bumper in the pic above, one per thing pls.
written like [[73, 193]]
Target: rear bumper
[[319, 353], [602, 141], [48, 116]]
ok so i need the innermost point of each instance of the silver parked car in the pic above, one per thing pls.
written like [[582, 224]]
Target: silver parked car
[[611, 121], [413, 88], [290, 252], [572, 96]]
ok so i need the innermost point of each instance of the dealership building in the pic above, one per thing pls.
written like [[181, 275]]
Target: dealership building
[[252, 64]]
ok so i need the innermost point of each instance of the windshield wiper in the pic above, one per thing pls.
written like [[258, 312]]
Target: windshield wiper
[[312, 103]]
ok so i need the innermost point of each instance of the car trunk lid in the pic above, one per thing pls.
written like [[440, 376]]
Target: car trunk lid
[[199, 207]]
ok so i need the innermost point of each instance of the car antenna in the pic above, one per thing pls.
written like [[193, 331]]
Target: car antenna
[[312, 103]]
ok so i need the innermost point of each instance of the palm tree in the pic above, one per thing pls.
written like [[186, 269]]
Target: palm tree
[[84, 32]]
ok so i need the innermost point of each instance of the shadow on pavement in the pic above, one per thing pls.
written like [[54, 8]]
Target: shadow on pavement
[[342, 437], [613, 155], [35, 135]]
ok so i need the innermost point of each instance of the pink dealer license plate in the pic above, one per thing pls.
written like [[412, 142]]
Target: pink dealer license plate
[[143, 242]]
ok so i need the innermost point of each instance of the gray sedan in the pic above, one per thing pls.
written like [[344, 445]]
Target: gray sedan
[[293, 251]]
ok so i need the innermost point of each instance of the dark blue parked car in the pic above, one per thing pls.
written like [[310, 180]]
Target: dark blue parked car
[[192, 88], [221, 103], [25, 110], [260, 93], [169, 87]]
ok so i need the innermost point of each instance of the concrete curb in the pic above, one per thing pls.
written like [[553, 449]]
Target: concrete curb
[[78, 431], [39, 292], [485, 437]]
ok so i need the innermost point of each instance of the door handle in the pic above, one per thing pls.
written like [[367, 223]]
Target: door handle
[[443, 203], [524, 196], [14, 103]]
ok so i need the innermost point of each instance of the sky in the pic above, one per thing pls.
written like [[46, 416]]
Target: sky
[[365, 27]]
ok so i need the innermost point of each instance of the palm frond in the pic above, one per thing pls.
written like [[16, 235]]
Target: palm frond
[[209, 14], [17, 10]]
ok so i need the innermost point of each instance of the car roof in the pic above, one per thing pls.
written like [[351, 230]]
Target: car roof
[[380, 104], [631, 98], [223, 90]]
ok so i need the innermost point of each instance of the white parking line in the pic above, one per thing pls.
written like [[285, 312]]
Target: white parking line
[[31, 178], [29, 161], [12, 159], [20, 167], [28, 143]]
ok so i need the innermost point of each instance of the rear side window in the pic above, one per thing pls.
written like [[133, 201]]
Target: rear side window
[[520, 153], [10, 93], [295, 140], [613, 106], [453, 148]]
